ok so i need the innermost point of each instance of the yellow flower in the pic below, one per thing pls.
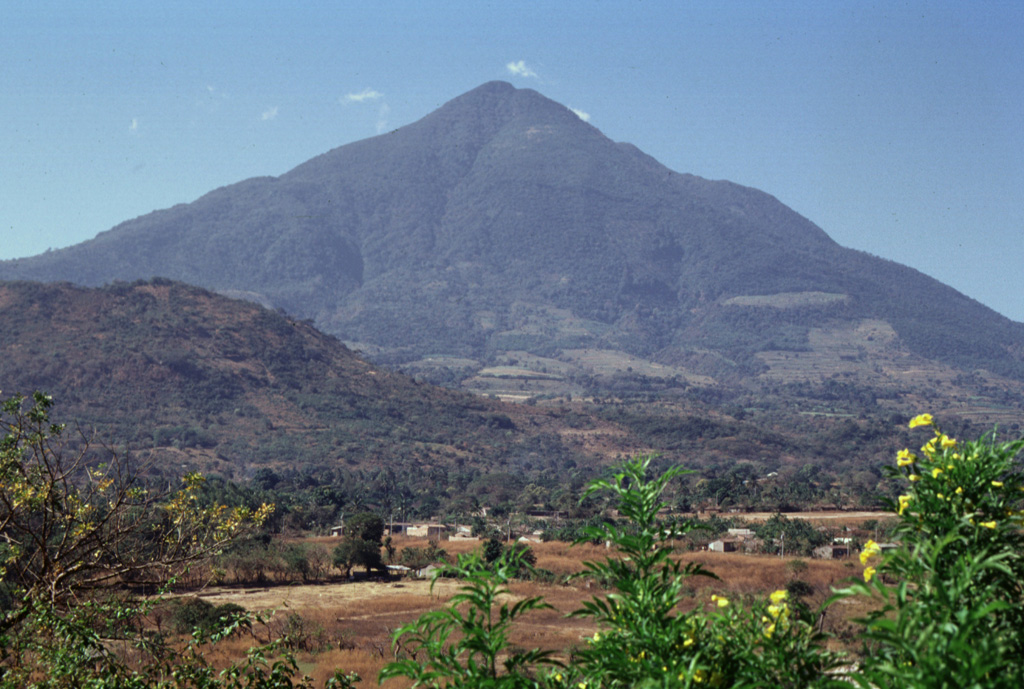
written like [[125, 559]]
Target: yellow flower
[[774, 610], [913, 477], [870, 550], [959, 490], [921, 420], [935, 472], [997, 484], [869, 572], [988, 525], [929, 447], [722, 601], [688, 642], [904, 501], [779, 596], [558, 676], [769, 630], [905, 458], [947, 442]]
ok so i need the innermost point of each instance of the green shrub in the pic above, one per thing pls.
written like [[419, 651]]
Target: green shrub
[[192, 614], [466, 644], [417, 558], [645, 640], [950, 599]]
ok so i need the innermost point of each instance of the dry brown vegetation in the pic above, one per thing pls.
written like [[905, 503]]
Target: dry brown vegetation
[[349, 625]]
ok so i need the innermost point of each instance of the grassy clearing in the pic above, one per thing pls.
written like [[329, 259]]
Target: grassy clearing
[[788, 300]]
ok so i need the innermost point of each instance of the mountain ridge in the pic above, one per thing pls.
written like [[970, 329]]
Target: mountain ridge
[[184, 375]]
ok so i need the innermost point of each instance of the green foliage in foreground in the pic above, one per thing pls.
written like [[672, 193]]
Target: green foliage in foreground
[[644, 639], [75, 538], [470, 648], [949, 597], [950, 612]]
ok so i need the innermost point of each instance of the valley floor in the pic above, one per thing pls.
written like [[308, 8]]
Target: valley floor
[[352, 622]]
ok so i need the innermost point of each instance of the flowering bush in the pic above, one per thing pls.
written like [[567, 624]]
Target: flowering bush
[[646, 641], [953, 614], [73, 533], [949, 596]]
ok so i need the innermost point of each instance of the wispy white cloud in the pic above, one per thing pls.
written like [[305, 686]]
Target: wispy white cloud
[[269, 114], [585, 116], [362, 96], [520, 69], [133, 126], [382, 118]]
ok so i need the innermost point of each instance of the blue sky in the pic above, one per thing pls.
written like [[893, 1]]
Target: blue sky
[[898, 127]]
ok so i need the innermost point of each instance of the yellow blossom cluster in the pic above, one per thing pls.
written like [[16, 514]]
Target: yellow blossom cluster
[[950, 468], [936, 451], [778, 611], [921, 420], [871, 550], [905, 458]]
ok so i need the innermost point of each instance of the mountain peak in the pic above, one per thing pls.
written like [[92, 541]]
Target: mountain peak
[[501, 222], [492, 87], [499, 102]]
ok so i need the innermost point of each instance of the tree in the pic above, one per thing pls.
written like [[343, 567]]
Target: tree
[[493, 549], [796, 536], [74, 532], [296, 558], [363, 540]]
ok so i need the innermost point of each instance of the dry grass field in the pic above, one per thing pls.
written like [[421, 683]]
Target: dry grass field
[[352, 622]]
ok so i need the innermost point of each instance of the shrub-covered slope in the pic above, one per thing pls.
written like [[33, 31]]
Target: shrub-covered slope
[[226, 384]]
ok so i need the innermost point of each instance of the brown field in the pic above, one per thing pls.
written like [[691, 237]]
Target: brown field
[[352, 622]]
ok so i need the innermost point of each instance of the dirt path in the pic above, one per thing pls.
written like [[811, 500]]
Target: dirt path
[[765, 516]]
